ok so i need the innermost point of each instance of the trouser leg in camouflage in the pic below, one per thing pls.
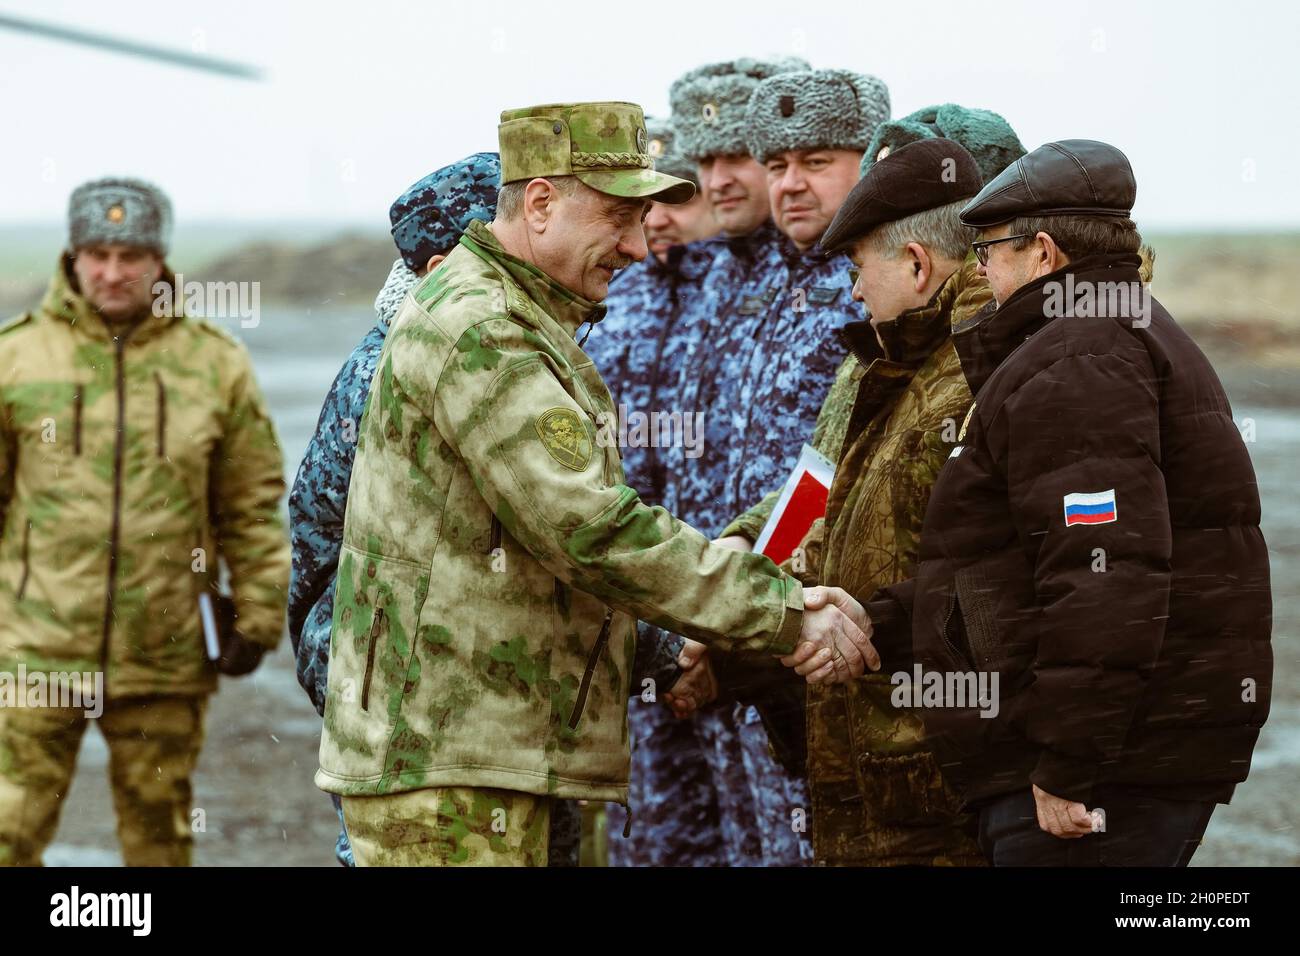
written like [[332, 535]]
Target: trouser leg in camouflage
[[153, 745], [449, 826], [38, 753]]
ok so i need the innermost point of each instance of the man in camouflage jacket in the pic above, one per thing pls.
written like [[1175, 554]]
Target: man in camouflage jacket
[[493, 560], [135, 451], [877, 796]]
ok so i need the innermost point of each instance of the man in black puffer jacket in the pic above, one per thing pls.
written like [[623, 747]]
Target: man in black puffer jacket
[[1093, 545]]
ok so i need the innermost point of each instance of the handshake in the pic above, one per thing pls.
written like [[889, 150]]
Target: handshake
[[834, 647]]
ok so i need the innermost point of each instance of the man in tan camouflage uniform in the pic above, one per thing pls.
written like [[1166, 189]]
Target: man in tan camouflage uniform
[[494, 562], [135, 450]]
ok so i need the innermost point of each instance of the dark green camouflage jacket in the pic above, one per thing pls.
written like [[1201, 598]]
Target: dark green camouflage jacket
[[892, 419]]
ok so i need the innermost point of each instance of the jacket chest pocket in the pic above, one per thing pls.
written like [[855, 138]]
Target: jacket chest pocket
[[78, 411], [171, 422], [55, 428], [160, 430]]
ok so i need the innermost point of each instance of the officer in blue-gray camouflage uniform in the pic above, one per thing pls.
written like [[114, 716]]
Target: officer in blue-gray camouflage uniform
[[761, 370], [696, 783], [638, 349], [427, 221]]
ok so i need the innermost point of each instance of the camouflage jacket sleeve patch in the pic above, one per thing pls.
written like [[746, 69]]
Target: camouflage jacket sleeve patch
[[564, 437]]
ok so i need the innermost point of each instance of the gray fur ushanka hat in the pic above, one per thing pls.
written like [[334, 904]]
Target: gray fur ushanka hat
[[814, 109], [117, 209], [709, 103]]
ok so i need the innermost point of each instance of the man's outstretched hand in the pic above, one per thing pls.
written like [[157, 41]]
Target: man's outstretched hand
[[835, 641]]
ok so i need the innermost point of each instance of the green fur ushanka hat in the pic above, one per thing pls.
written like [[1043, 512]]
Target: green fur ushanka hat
[[985, 135], [709, 103], [814, 109]]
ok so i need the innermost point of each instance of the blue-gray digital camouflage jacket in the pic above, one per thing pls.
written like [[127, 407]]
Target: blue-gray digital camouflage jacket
[[759, 369], [638, 349], [763, 356], [320, 494], [786, 367]]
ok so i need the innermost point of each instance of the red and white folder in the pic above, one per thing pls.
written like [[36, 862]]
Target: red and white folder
[[802, 501]]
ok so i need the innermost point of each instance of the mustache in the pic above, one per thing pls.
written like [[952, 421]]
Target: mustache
[[616, 263]]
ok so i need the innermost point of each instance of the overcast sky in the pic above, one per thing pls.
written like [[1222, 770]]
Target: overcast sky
[[361, 99]]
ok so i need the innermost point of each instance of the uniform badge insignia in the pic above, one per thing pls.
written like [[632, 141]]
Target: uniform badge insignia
[[1091, 508], [564, 437], [115, 213]]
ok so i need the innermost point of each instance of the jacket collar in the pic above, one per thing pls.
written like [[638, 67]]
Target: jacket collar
[[753, 245], [985, 344], [690, 262], [912, 337], [564, 306], [811, 258], [64, 302]]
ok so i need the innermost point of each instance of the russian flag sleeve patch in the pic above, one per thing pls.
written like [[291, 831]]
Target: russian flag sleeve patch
[[1091, 508]]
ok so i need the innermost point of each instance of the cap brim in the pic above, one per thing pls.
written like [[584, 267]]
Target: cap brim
[[639, 184]]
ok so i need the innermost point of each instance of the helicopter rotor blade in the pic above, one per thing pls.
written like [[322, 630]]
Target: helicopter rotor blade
[[192, 61]]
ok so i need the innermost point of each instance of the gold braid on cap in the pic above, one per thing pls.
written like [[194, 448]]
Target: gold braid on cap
[[622, 160]]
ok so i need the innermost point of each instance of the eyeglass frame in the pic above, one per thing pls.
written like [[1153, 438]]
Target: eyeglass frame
[[981, 247]]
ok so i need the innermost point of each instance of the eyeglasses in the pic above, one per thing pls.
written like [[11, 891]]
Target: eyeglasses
[[982, 247], [853, 277]]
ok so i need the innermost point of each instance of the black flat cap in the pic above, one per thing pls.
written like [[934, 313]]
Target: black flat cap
[[1079, 177], [913, 178]]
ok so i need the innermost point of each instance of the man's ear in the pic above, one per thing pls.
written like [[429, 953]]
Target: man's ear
[[432, 264], [1050, 256], [539, 201], [921, 265]]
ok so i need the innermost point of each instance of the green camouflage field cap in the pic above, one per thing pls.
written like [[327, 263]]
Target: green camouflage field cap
[[605, 145]]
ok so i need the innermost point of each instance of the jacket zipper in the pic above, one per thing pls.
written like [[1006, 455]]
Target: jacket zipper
[[162, 416], [601, 640], [78, 400], [494, 540], [27, 537], [370, 657], [116, 526], [766, 333]]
